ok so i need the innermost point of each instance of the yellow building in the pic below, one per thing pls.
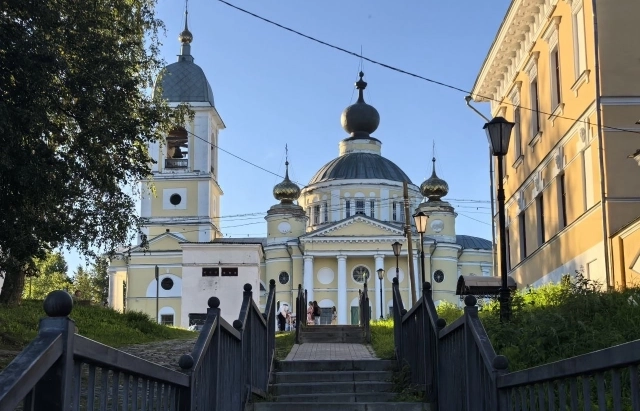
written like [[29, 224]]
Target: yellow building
[[566, 72], [331, 236]]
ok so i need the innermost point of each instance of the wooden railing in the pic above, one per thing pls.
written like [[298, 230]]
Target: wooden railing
[[60, 370], [301, 311], [365, 312], [459, 369]]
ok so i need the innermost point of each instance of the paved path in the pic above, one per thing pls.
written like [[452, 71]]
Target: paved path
[[330, 351]]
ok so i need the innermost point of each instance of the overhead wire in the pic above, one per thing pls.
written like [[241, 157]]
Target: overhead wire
[[408, 73]]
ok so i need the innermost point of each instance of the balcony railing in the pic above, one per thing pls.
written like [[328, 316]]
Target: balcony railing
[[176, 163]]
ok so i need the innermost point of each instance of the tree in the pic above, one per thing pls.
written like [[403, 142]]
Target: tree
[[93, 284], [75, 122], [100, 275], [50, 274]]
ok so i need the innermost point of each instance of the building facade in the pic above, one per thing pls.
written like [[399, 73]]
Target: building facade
[[330, 236], [566, 72]]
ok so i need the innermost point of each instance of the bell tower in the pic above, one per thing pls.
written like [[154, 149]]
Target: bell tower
[[183, 196]]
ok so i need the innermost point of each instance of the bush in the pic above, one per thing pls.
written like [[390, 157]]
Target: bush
[[382, 339]]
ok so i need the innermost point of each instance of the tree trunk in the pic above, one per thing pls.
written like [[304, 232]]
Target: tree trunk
[[12, 288]]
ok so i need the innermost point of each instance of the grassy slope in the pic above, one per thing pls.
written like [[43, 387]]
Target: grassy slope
[[548, 324], [284, 343], [19, 325]]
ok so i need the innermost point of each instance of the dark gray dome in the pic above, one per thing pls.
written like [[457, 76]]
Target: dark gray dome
[[184, 82], [366, 166]]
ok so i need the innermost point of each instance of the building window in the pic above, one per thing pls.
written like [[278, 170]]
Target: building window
[[347, 206], [360, 274], [166, 283], [535, 108], [587, 163], [507, 241], [540, 212], [398, 211], [579, 45], [517, 133], [210, 271], [359, 207], [166, 319], [523, 235], [438, 276], [316, 214], [562, 193], [309, 214], [326, 212], [394, 217], [177, 149], [372, 208], [556, 96], [283, 278], [230, 271]]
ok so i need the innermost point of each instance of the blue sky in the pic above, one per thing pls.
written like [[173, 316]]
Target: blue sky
[[273, 88]]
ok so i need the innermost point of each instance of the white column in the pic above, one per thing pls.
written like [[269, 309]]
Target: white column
[[308, 276], [116, 290], [417, 274], [380, 305], [343, 309]]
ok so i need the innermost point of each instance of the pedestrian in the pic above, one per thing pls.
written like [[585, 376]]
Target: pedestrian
[[334, 316], [310, 316], [317, 312], [282, 316]]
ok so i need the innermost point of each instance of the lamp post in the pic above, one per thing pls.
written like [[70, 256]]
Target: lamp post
[[380, 277], [499, 132], [421, 219], [397, 246]]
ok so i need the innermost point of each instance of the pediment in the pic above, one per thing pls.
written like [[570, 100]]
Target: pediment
[[163, 242], [357, 226]]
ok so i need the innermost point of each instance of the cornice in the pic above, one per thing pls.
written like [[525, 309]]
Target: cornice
[[519, 31], [353, 239], [351, 221]]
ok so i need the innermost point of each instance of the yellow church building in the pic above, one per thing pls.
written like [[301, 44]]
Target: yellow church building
[[331, 236]]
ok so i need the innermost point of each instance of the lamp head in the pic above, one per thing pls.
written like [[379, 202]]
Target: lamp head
[[397, 247], [421, 220], [380, 273], [498, 133]]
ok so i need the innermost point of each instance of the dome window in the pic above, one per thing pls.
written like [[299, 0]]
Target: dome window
[[166, 283], [283, 278], [177, 149], [360, 207]]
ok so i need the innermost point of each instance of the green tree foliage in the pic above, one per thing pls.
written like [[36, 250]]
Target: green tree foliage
[[75, 121], [50, 274], [92, 284]]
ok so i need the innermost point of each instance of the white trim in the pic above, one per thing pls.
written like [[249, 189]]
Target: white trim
[[551, 34], [620, 101]]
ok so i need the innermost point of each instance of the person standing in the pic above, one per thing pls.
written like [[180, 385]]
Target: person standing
[[334, 316], [317, 312], [310, 316], [282, 316]]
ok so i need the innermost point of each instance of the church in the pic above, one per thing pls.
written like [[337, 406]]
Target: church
[[331, 236]]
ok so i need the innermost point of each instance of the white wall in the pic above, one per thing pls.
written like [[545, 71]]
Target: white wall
[[196, 289]]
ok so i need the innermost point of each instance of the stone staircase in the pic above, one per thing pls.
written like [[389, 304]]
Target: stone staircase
[[334, 385], [332, 334]]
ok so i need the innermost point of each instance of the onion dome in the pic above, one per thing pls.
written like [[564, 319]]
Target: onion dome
[[360, 119], [434, 188], [287, 191], [185, 36]]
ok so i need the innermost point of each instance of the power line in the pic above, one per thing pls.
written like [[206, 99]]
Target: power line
[[408, 73]]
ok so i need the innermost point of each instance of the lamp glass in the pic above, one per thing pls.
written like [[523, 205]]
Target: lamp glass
[[499, 133], [421, 220], [397, 246], [380, 273]]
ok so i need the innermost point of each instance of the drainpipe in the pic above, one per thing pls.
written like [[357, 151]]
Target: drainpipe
[[605, 222], [493, 214]]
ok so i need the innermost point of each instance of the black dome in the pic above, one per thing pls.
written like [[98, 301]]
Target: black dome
[[360, 166]]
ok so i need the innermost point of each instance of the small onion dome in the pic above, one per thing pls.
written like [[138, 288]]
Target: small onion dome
[[360, 118], [434, 188], [185, 37], [287, 191]]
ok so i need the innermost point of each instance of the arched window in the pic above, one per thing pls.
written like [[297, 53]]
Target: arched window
[[177, 149]]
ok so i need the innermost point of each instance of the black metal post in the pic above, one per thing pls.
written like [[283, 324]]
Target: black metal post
[[157, 295], [397, 269], [505, 296], [422, 258], [381, 304]]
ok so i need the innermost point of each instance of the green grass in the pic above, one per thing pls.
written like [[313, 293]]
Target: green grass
[[284, 343], [548, 324], [382, 339], [19, 325]]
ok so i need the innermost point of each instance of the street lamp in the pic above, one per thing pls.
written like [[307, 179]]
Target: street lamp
[[380, 277], [421, 219], [499, 132], [396, 251]]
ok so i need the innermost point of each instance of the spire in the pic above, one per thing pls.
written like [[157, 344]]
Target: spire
[[361, 85], [286, 162], [185, 37]]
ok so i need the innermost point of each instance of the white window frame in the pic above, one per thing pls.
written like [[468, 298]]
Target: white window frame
[[517, 129], [316, 214], [551, 37], [522, 233], [325, 212], [540, 219], [534, 99], [372, 208], [347, 208], [360, 206], [579, 39]]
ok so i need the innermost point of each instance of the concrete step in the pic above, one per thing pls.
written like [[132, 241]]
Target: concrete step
[[332, 339], [336, 365], [332, 376], [341, 406], [303, 388], [339, 397], [330, 328]]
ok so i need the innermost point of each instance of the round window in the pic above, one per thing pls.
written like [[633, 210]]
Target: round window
[[166, 283], [175, 199], [438, 276], [283, 278], [361, 274]]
